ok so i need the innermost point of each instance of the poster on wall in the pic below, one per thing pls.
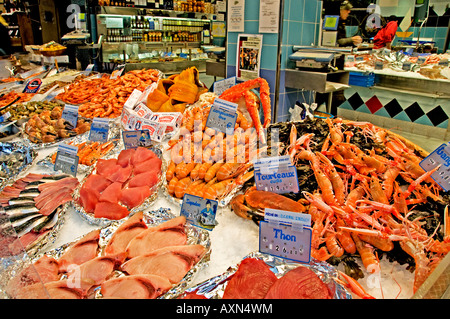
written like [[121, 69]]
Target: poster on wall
[[248, 59], [236, 9], [269, 11]]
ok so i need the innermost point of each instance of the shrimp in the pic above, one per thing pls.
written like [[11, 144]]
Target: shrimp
[[367, 256]]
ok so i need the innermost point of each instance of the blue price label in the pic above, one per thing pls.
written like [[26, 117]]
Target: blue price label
[[135, 139], [99, 130], [276, 174], [66, 162], [70, 114], [199, 211], [222, 116], [440, 156], [285, 241]]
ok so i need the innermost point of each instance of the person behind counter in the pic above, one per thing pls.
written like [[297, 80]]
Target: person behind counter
[[342, 39], [386, 34]]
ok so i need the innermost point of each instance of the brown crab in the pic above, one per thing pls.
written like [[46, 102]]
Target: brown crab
[[252, 203]]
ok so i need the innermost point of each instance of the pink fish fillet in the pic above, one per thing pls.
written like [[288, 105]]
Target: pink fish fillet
[[60, 289], [124, 233], [169, 233], [81, 251], [95, 271], [136, 287], [171, 265], [45, 269]]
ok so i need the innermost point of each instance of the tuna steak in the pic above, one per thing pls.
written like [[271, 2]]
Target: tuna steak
[[134, 196], [169, 233], [299, 283], [81, 251], [124, 158], [45, 269], [170, 265], [252, 280], [110, 210], [95, 271], [60, 289], [111, 194], [135, 287], [124, 233]]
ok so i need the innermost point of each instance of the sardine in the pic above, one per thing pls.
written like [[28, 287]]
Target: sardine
[[21, 200], [20, 208], [31, 192], [19, 219], [50, 222], [29, 225]]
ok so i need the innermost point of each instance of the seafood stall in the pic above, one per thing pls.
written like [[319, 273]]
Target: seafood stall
[[97, 219]]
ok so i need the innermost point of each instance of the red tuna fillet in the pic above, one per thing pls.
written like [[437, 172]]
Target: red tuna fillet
[[134, 196], [112, 193], [141, 155], [45, 269], [136, 287], [121, 174], [95, 271], [151, 165], [88, 199], [97, 183], [106, 167], [125, 233], [110, 210], [124, 158], [60, 289], [299, 283], [81, 251], [252, 280], [148, 179]]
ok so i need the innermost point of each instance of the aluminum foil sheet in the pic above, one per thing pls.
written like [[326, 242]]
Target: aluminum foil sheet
[[147, 204], [214, 288], [15, 158], [195, 235]]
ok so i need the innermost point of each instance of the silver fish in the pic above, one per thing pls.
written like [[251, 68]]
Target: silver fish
[[31, 192], [30, 224], [20, 208], [21, 200], [49, 222]]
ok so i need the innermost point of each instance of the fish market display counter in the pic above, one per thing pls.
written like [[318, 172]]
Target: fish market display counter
[[231, 240]]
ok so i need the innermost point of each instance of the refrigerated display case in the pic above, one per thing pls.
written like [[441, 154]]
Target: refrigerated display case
[[136, 35]]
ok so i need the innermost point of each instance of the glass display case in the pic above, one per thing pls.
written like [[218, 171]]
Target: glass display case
[[136, 35]]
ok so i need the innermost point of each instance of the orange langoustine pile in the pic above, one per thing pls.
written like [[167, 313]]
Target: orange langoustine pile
[[367, 195], [104, 97]]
